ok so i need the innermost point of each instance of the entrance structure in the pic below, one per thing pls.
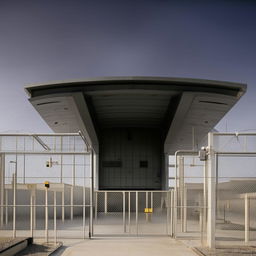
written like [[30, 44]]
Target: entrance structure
[[114, 176], [134, 123]]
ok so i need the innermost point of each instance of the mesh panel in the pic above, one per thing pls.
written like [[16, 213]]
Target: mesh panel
[[235, 189], [132, 213], [63, 208]]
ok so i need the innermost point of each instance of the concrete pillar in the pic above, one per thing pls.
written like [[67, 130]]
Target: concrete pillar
[[211, 220]]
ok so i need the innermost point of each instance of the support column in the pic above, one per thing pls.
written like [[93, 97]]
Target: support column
[[211, 221]]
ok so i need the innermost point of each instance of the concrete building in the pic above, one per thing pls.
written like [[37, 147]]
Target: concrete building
[[107, 171], [134, 123]]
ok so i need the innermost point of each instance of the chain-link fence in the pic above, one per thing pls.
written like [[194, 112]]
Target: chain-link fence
[[235, 188], [46, 186], [187, 177], [132, 213]]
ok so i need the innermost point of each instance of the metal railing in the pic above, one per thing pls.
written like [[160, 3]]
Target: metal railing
[[133, 212]]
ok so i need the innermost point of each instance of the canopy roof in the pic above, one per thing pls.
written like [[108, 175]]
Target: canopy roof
[[176, 106]]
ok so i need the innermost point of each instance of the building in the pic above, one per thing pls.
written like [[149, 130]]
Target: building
[[134, 123]]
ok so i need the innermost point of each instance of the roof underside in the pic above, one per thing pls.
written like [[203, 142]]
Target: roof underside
[[175, 106]]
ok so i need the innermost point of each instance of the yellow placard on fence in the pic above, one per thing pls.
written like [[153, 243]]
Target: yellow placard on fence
[[148, 210], [47, 184]]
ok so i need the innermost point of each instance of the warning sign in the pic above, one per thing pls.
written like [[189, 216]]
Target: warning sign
[[148, 210]]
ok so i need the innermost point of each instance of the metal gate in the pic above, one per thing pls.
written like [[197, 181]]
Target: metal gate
[[133, 213]]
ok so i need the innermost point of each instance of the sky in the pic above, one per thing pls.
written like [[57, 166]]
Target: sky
[[42, 41]]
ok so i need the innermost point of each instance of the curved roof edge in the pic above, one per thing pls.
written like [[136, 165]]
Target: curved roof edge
[[138, 79]]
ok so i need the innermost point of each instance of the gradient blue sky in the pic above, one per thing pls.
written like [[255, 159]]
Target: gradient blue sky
[[44, 40]]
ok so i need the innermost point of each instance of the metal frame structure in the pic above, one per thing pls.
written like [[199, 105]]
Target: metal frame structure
[[210, 186], [36, 144], [132, 214], [177, 208]]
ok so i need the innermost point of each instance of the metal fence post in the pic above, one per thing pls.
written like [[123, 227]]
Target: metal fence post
[[181, 191], [151, 200], [137, 212], [175, 213], [55, 216], [247, 218], [105, 202], [71, 202], [2, 190], [14, 204], [146, 204], [168, 212], [124, 217], [211, 193], [6, 206], [91, 197], [172, 210], [34, 210], [63, 203], [84, 212], [129, 210], [185, 210], [46, 215], [31, 214], [96, 205]]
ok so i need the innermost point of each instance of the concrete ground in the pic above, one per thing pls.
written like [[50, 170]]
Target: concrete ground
[[161, 246]]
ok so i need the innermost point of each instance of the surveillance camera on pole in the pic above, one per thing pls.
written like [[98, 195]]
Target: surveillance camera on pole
[[50, 163], [202, 154]]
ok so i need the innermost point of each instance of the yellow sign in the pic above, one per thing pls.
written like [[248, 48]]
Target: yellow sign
[[47, 184], [148, 210]]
